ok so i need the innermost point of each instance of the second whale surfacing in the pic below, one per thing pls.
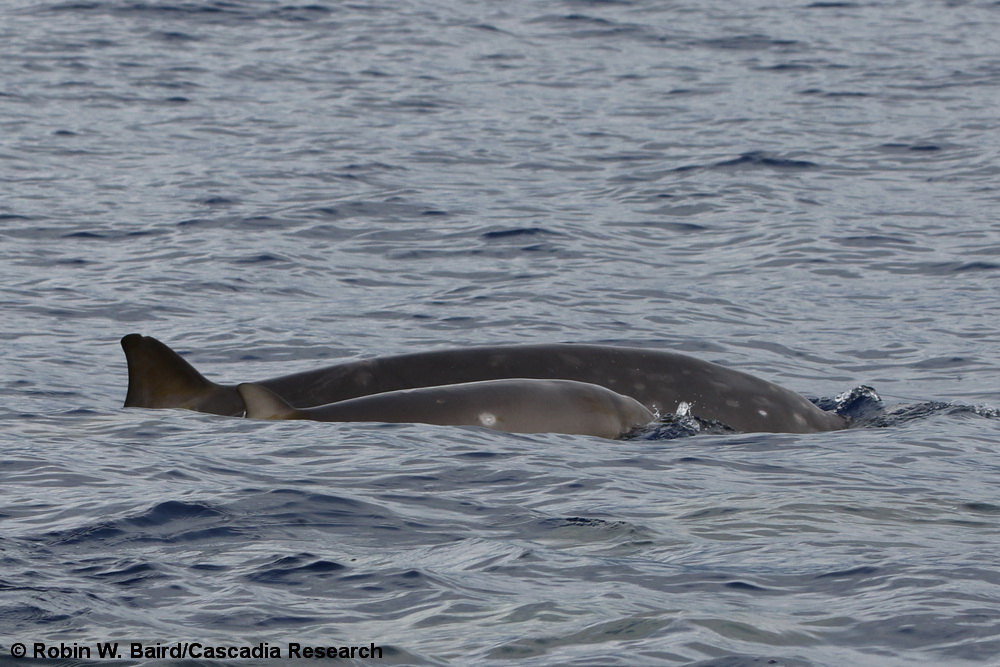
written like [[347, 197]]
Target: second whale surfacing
[[514, 406], [659, 380]]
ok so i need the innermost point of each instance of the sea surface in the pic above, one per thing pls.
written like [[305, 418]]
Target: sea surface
[[806, 191]]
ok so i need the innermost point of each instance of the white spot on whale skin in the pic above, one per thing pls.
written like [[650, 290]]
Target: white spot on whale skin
[[487, 419], [762, 413]]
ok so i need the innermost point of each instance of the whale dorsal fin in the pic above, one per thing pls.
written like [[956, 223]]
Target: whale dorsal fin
[[158, 377], [262, 403]]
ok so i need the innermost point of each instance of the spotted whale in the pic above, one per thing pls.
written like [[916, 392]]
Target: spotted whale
[[512, 405], [660, 380]]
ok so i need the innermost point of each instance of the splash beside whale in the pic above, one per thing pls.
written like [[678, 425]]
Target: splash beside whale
[[659, 380]]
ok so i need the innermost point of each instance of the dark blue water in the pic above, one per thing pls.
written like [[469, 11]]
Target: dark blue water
[[805, 191]]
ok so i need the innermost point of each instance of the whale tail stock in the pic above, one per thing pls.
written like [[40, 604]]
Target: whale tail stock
[[261, 403], [158, 377]]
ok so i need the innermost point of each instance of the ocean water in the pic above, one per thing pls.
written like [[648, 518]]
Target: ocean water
[[807, 191]]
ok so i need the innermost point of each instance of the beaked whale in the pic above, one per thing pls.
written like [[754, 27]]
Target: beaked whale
[[660, 380], [514, 406]]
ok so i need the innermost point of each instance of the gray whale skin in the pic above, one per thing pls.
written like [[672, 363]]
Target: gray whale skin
[[659, 380]]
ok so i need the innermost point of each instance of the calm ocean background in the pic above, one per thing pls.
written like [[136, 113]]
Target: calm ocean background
[[807, 191]]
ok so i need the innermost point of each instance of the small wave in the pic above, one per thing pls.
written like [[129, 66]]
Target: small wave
[[866, 409], [671, 427], [762, 159], [285, 568]]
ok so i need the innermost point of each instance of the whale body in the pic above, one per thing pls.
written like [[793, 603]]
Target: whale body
[[659, 380], [514, 406]]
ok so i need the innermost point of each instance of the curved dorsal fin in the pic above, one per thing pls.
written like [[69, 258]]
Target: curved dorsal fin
[[263, 403], [159, 378]]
